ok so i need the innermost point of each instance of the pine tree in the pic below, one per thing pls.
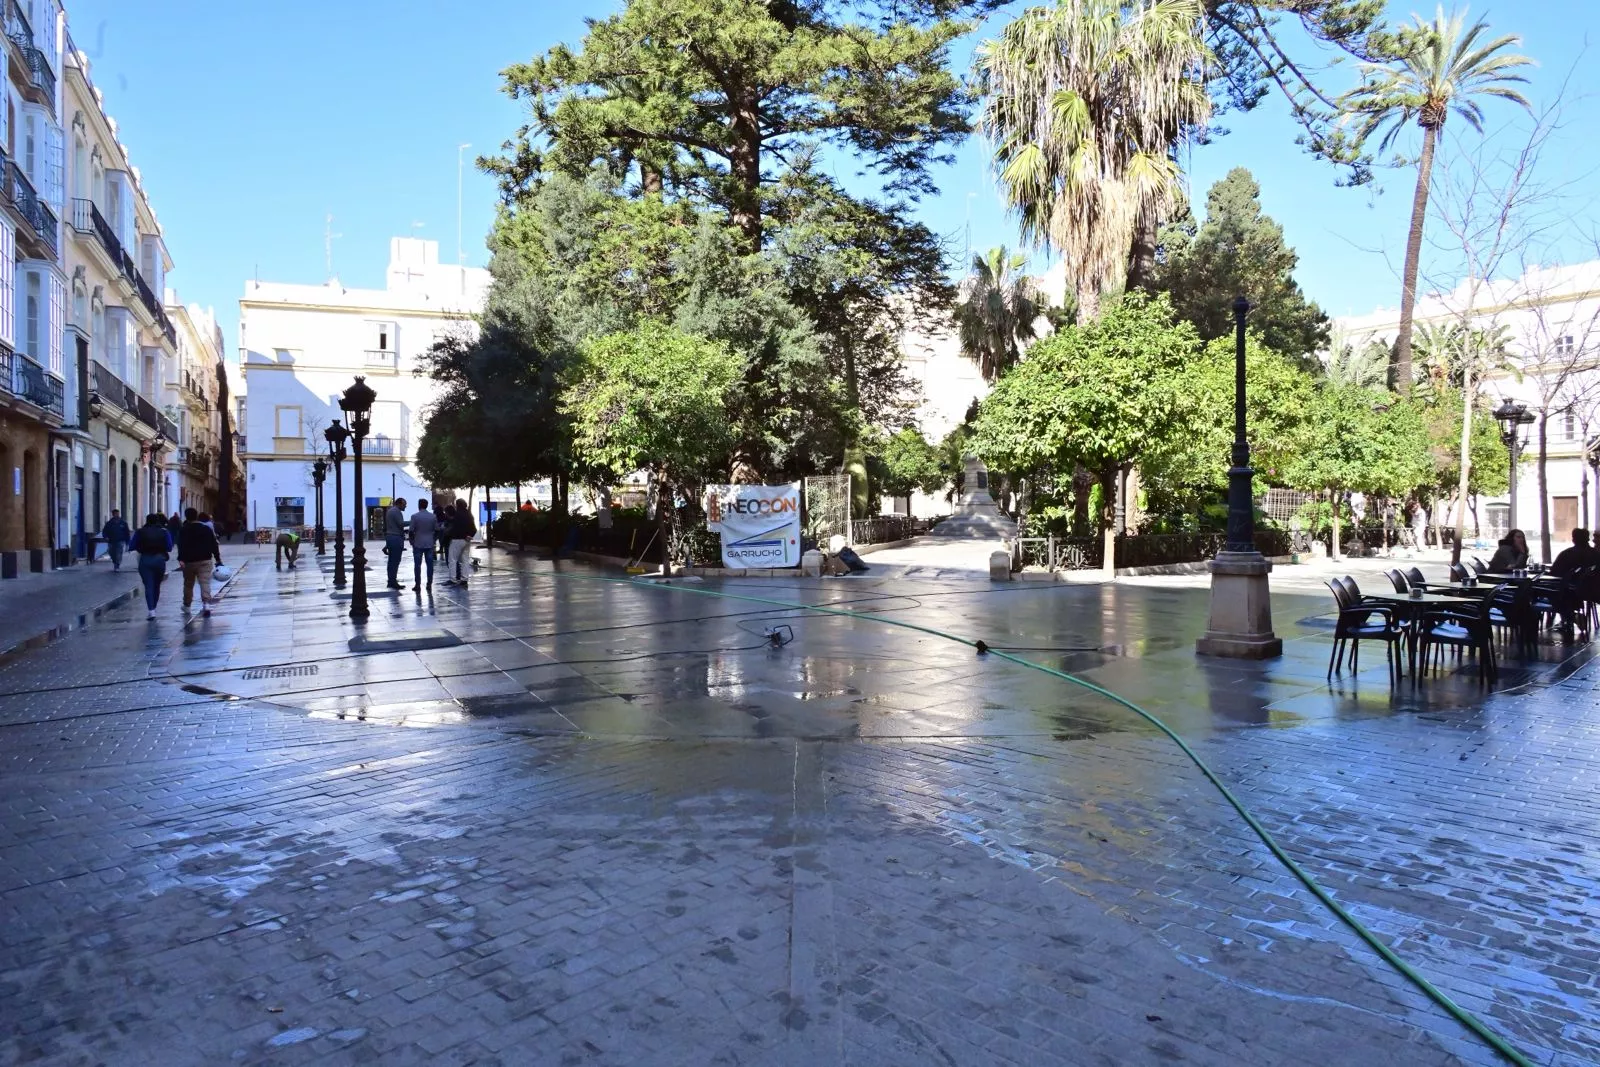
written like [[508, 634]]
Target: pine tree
[[1239, 250]]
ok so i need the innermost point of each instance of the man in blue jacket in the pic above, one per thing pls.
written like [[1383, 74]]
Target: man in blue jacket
[[116, 534]]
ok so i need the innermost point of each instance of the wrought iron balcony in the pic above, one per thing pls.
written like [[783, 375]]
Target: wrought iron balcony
[[29, 381], [383, 445], [17, 26], [18, 191], [86, 219], [383, 359], [108, 388]]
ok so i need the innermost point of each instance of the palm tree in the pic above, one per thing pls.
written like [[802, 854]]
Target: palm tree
[[1450, 67], [1085, 103], [1355, 367], [999, 309]]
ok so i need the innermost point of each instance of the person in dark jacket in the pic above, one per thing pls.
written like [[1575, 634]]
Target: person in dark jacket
[[198, 555], [1581, 554], [154, 545], [462, 531], [116, 534], [1512, 554]]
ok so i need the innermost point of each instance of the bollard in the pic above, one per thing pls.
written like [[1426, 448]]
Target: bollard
[[999, 566]]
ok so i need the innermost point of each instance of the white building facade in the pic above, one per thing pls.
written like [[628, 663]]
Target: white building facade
[[1549, 318], [302, 346], [192, 396]]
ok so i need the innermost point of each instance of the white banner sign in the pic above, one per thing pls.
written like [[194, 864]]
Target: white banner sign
[[759, 524]]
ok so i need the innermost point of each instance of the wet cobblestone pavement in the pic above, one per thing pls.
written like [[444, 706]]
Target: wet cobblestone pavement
[[614, 826]]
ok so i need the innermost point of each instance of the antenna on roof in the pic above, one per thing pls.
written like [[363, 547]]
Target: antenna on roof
[[327, 244]]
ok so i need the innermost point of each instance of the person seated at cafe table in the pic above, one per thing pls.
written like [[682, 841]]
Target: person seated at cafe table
[[1581, 554], [1512, 555]]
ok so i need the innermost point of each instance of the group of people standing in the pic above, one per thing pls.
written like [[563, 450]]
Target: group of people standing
[[449, 532], [193, 538]]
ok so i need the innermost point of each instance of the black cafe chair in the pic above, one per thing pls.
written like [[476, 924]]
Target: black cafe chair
[[1458, 573], [1479, 566], [1397, 580], [1463, 627], [1414, 576], [1357, 622]]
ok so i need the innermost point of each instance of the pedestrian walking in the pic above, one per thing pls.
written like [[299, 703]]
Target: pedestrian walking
[[462, 531], [198, 555], [394, 539], [424, 535], [286, 544], [175, 526], [153, 543], [444, 519], [116, 534]]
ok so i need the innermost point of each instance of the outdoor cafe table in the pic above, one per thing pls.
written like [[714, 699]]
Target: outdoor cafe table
[[1420, 601]]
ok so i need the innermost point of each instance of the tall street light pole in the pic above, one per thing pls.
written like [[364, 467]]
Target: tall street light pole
[[1512, 417], [336, 436], [319, 474], [460, 148], [357, 406], [1241, 597]]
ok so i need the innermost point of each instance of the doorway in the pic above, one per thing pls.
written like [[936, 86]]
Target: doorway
[[1564, 517]]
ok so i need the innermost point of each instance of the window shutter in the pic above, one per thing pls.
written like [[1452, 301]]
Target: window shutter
[[58, 320], [8, 284], [55, 148]]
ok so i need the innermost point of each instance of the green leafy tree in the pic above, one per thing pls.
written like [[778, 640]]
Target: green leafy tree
[[1278, 399], [1446, 65], [904, 462], [1085, 103], [1238, 250], [1359, 440], [999, 308], [495, 420], [724, 108], [1104, 395], [1488, 471], [654, 399]]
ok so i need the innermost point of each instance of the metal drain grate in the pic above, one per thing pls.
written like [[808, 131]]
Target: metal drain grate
[[300, 671]]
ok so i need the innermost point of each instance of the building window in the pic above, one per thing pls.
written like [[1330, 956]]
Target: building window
[[291, 511], [32, 312], [1569, 427], [287, 422], [1564, 346]]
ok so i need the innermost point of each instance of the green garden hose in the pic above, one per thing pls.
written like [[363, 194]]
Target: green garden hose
[[1456, 1011]]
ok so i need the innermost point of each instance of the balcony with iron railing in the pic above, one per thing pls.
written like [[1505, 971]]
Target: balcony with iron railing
[[87, 221], [29, 381], [384, 446], [108, 388], [18, 194], [382, 359], [34, 65]]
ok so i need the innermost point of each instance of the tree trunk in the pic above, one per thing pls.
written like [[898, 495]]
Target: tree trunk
[[1408, 280], [519, 520], [649, 179], [1108, 528], [744, 164], [1583, 493], [1142, 254], [1469, 389], [1088, 301], [1335, 498], [1544, 487]]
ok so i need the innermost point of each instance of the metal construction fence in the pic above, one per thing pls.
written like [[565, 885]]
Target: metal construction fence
[[1137, 550], [827, 507]]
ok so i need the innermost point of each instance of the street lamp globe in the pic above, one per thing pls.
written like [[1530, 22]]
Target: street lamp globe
[[1512, 416], [335, 435], [357, 404]]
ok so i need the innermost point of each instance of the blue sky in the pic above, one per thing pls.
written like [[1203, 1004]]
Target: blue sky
[[250, 123]]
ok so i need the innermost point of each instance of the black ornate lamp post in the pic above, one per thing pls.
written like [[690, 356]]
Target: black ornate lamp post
[[157, 445], [336, 436], [1241, 476], [1241, 598], [1512, 417], [357, 407], [319, 474]]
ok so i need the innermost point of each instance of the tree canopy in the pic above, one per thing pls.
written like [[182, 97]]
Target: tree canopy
[[1238, 250]]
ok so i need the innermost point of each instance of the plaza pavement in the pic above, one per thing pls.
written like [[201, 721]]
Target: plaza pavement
[[613, 825]]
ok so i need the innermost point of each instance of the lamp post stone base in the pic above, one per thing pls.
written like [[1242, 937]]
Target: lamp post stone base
[[1241, 609]]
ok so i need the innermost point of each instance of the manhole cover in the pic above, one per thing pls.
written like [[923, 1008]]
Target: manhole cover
[[300, 671]]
